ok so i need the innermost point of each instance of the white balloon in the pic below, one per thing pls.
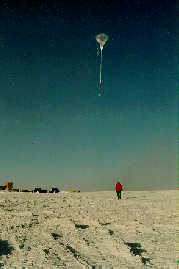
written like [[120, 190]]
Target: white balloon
[[102, 39]]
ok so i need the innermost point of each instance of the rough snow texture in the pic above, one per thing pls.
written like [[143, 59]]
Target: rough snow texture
[[88, 230]]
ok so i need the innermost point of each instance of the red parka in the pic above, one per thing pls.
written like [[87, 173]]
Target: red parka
[[118, 186]]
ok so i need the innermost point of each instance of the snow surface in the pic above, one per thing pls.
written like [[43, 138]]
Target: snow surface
[[88, 230]]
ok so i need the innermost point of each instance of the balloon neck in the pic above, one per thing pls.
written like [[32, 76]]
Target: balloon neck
[[101, 47]]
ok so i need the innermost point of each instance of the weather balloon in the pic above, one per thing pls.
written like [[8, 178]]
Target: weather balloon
[[101, 39]]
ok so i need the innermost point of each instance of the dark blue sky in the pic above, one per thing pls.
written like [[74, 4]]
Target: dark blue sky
[[54, 128]]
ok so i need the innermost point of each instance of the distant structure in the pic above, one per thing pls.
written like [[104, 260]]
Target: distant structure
[[54, 190], [2, 188], [26, 191], [43, 191], [16, 190], [39, 190], [9, 185]]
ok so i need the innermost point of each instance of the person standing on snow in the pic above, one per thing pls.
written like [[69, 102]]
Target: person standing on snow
[[118, 189]]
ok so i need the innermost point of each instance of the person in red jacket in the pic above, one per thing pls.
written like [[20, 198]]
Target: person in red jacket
[[118, 189]]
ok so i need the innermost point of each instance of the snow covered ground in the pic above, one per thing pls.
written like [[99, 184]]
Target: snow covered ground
[[88, 230]]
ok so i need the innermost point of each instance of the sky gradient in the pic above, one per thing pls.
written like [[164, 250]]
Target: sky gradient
[[54, 128]]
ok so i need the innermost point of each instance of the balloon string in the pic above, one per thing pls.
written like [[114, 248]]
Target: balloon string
[[101, 68]]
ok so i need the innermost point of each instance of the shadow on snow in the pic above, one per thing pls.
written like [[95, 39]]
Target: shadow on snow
[[135, 248]]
